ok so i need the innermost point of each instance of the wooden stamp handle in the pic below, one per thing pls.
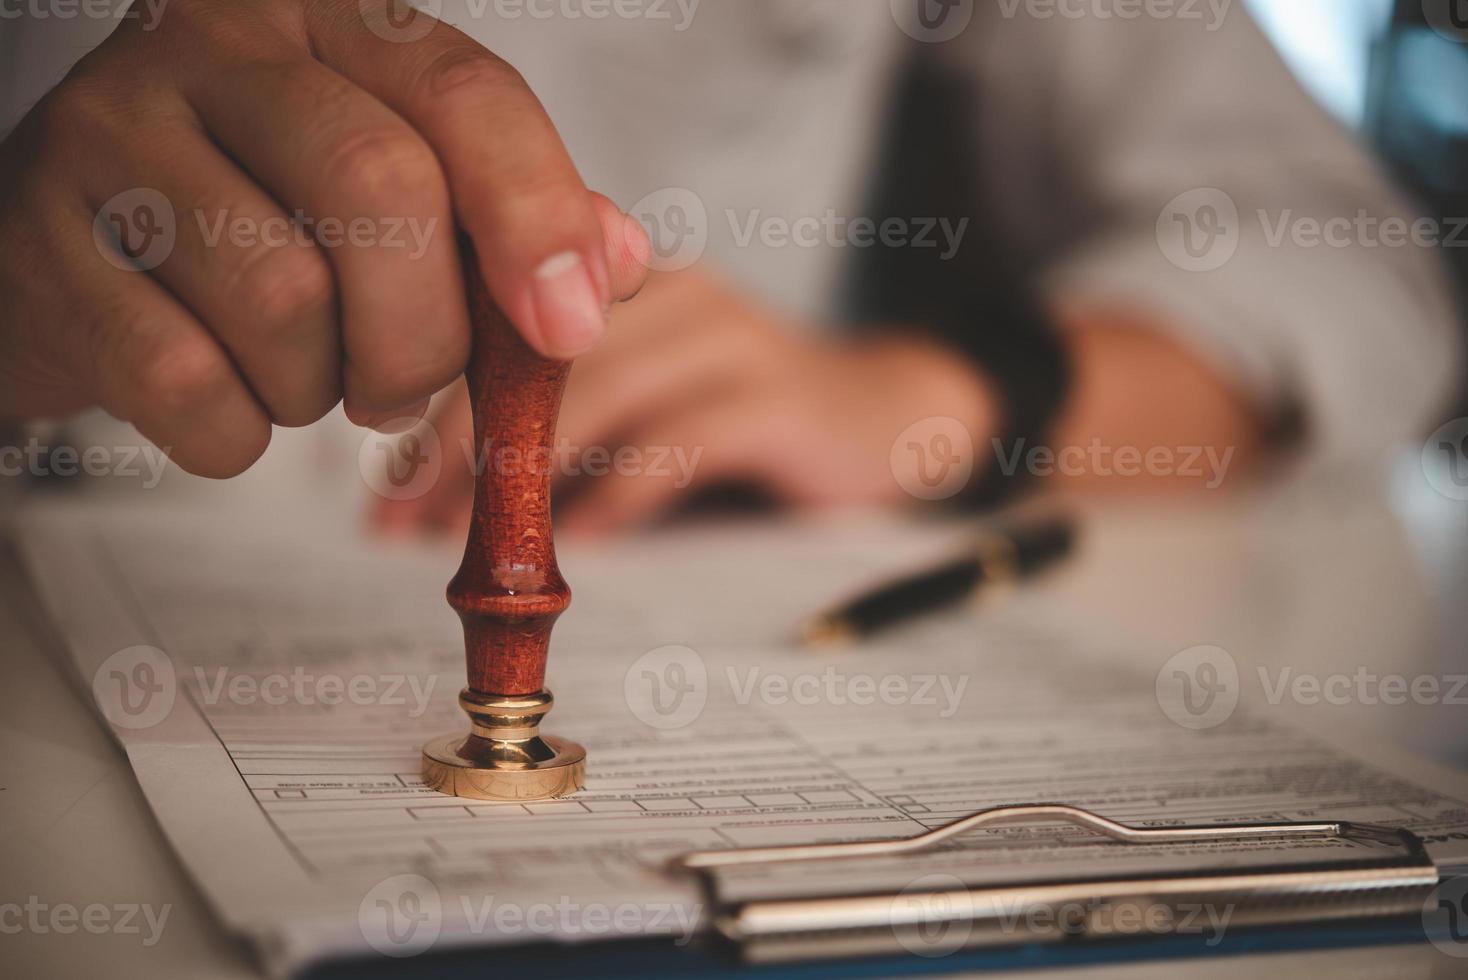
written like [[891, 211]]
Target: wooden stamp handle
[[508, 590]]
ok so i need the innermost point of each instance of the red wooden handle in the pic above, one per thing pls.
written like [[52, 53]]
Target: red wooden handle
[[508, 590]]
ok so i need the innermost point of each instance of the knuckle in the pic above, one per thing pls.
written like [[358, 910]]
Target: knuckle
[[439, 369], [183, 376], [541, 203], [93, 108], [467, 70], [73, 107], [215, 24], [284, 288], [187, 16], [392, 168], [393, 383]]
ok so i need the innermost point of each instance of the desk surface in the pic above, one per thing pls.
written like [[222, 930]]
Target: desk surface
[[1319, 575]]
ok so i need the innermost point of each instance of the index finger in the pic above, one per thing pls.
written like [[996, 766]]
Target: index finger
[[516, 192]]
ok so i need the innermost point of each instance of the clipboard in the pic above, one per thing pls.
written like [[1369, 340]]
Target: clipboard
[[1389, 875]]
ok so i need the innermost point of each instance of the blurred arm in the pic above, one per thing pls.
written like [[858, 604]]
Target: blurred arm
[[1092, 127]]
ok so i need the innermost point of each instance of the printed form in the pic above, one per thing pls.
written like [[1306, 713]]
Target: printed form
[[272, 689]]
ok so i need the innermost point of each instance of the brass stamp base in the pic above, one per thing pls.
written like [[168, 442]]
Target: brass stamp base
[[458, 766], [504, 757]]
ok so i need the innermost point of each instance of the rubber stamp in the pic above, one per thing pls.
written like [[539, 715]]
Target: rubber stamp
[[508, 591]]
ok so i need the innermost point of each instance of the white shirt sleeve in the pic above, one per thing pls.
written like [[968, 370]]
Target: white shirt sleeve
[[1174, 163], [36, 52]]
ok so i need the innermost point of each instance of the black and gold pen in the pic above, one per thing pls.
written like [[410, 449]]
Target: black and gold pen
[[1003, 553]]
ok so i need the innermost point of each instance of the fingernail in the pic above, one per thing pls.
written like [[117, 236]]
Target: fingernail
[[567, 307]]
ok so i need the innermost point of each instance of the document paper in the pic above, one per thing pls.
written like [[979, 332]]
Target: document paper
[[306, 671]]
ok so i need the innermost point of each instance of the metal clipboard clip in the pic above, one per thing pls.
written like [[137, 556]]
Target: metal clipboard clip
[[1391, 875]]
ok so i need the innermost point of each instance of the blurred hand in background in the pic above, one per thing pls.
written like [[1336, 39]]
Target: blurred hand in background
[[721, 391], [704, 389]]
